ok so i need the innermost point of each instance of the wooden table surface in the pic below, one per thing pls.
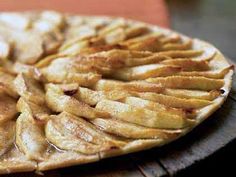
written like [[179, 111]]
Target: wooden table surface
[[211, 20]]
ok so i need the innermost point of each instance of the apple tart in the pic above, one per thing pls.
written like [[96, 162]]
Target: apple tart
[[77, 89]]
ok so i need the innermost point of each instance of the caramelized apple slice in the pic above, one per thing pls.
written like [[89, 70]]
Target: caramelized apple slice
[[175, 38], [49, 26], [188, 82], [120, 34], [141, 39], [97, 23], [129, 130], [57, 69], [38, 112], [65, 70], [112, 26], [29, 88], [214, 74], [30, 137], [59, 102], [74, 46], [142, 116], [85, 46], [188, 64], [154, 106], [73, 133], [115, 36], [83, 79], [172, 101], [118, 53], [116, 62], [79, 32], [138, 86], [181, 53], [154, 58], [30, 70], [151, 44], [136, 30], [6, 83], [145, 71], [52, 40], [74, 49], [100, 48], [7, 107], [7, 136], [181, 46], [198, 94], [44, 62], [28, 47], [93, 97]]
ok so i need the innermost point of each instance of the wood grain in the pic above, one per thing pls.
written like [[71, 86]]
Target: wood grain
[[149, 164], [202, 142], [118, 167]]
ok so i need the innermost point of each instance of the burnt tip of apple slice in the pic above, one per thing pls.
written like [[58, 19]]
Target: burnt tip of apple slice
[[222, 91], [190, 110], [70, 92]]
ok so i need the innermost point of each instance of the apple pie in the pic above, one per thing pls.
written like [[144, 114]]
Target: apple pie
[[78, 89]]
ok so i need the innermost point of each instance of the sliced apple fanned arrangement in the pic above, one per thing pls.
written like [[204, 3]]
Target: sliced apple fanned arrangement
[[77, 89]]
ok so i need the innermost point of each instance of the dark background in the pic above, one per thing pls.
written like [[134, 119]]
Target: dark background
[[213, 21], [210, 20]]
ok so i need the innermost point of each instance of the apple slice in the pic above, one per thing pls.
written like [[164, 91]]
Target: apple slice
[[129, 130], [7, 107], [138, 86], [214, 74], [7, 136], [189, 64], [188, 82], [175, 102], [145, 71], [29, 88], [197, 94], [140, 116], [59, 102], [181, 53], [73, 133], [30, 137]]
